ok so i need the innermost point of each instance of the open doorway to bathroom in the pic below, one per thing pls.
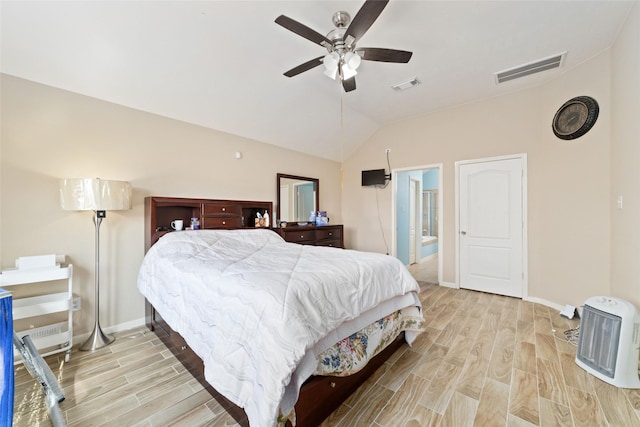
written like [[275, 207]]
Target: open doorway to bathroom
[[417, 209]]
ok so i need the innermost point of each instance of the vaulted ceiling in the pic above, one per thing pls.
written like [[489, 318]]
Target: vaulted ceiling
[[220, 64]]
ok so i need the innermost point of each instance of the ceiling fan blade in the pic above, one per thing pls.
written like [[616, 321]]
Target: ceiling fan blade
[[349, 84], [365, 17], [384, 55], [303, 31], [304, 67]]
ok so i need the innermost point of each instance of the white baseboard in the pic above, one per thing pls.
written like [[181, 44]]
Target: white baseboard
[[537, 300], [449, 285], [112, 329], [544, 302]]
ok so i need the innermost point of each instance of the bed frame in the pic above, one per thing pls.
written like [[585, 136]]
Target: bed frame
[[320, 395]]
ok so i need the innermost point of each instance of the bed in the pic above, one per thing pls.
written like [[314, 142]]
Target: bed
[[284, 331]]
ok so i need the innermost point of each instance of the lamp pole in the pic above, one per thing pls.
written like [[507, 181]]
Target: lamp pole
[[97, 339]]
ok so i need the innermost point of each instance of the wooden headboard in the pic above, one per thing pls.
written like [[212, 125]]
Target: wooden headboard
[[212, 213]]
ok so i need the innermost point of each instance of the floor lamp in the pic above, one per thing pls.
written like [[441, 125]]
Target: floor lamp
[[98, 195]]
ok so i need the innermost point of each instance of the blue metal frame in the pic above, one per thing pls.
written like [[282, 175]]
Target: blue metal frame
[[6, 359]]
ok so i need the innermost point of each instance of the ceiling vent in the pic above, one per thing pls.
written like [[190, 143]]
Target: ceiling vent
[[406, 85], [530, 68]]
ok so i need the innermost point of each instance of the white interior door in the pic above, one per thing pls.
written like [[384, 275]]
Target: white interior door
[[491, 226]]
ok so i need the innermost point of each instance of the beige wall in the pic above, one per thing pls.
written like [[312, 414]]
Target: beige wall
[[48, 134], [568, 182], [625, 158], [579, 243]]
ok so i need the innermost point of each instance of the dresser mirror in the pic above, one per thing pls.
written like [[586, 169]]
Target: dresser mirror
[[297, 197]]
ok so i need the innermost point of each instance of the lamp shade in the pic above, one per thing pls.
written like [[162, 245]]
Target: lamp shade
[[94, 194]]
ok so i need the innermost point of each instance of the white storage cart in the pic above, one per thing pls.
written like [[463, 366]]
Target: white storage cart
[[55, 337]]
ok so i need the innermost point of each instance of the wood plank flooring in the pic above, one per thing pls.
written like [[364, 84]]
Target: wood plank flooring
[[485, 360]]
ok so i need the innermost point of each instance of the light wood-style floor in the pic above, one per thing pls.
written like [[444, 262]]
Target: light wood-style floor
[[426, 271], [485, 360]]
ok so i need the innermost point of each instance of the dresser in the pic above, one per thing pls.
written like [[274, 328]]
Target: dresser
[[324, 235]]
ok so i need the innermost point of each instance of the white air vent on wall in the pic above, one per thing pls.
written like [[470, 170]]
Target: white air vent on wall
[[530, 68]]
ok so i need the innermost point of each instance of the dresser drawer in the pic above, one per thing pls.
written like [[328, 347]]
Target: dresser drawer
[[221, 222], [324, 235], [299, 236], [328, 233], [177, 341], [334, 243], [221, 209]]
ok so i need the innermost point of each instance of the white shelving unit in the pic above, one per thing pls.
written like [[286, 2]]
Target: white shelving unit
[[56, 337]]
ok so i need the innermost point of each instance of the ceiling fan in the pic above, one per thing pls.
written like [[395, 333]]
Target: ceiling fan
[[343, 57]]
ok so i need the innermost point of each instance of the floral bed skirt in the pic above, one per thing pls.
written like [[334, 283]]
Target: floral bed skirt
[[351, 354]]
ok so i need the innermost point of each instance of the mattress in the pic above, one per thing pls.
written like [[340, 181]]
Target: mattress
[[259, 310]]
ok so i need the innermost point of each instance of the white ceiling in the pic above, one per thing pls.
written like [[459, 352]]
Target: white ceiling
[[219, 64]]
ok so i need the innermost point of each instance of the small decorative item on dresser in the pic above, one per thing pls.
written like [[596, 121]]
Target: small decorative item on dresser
[[322, 219], [260, 220], [195, 223]]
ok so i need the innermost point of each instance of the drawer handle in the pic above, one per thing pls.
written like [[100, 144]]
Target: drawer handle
[[330, 234], [302, 236], [332, 384], [183, 348], [224, 222], [224, 209]]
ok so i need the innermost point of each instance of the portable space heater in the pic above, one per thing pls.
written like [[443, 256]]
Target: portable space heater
[[608, 345]]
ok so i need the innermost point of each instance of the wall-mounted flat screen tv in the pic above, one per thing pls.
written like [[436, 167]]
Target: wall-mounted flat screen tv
[[373, 177]]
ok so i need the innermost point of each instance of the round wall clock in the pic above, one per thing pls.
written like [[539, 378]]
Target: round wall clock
[[575, 117]]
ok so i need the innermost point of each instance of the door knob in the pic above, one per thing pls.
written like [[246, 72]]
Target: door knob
[[464, 233]]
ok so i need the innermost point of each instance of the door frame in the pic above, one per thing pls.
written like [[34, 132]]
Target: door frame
[[415, 202], [525, 255], [394, 220]]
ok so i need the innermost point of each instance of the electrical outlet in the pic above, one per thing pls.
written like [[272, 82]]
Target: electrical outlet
[[76, 304]]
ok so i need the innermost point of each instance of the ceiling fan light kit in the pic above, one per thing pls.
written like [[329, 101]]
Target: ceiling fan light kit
[[331, 61], [343, 59], [352, 60]]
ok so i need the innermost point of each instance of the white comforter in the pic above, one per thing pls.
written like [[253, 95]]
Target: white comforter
[[251, 305]]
